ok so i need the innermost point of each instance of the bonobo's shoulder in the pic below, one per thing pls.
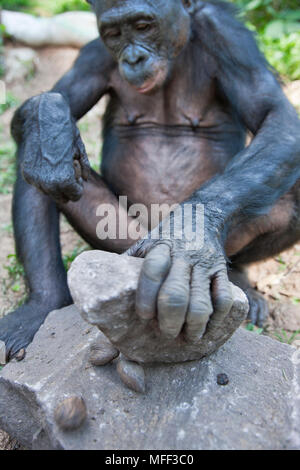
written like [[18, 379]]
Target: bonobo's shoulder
[[95, 56], [216, 12], [226, 38]]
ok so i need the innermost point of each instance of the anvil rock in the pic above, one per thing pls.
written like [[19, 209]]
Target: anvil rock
[[184, 407], [103, 287]]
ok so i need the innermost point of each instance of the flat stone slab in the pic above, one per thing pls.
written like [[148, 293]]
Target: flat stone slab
[[184, 407], [103, 286]]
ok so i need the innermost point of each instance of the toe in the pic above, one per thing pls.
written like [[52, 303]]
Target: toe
[[259, 309]]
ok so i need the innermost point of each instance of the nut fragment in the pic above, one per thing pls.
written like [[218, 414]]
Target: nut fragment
[[132, 375], [70, 413], [20, 355], [102, 352]]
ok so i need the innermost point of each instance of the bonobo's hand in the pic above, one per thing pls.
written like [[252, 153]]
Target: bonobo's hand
[[55, 159], [184, 288]]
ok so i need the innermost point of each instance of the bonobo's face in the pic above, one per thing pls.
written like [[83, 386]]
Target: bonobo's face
[[144, 36]]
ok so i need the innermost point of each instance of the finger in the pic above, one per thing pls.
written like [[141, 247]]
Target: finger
[[53, 193], [77, 169], [56, 194], [200, 306], [83, 159], [222, 301], [222, 296], [173, 298], [72, 191], [155, 269]]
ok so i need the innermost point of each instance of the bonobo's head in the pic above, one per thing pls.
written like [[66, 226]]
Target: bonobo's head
[[144, 36]]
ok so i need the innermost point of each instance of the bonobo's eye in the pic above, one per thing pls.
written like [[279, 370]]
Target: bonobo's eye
[[143, 26], [111, 33]]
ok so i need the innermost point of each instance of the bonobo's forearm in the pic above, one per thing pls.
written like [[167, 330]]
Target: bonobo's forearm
[[53, 157], [258, 176]]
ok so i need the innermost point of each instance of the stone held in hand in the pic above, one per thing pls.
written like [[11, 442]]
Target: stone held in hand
[[103, 286], [2, 353]]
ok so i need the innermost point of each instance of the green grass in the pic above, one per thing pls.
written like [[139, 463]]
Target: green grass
[[285, 337], [7, 166], [15, 272], [254, 329]]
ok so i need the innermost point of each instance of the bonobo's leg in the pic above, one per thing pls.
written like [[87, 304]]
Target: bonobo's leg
[[36, 227], [263, 238], [82, 215]]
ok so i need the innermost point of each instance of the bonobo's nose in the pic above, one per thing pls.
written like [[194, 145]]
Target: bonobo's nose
[[134, 55]]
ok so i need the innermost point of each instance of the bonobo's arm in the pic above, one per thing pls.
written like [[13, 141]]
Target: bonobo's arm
[[53, 156], [189, 287], [256, 177]]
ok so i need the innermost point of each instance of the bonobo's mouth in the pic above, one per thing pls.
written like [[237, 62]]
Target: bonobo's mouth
[[147, 87], [152, 83]]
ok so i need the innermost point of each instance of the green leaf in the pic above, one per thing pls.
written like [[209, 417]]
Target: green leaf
[[16, 287], [275, 29], [253, 5]]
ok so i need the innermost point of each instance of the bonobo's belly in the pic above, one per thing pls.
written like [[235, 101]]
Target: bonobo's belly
[[164, 164]]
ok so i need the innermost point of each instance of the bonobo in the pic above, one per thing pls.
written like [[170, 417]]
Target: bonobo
[[186, 83]]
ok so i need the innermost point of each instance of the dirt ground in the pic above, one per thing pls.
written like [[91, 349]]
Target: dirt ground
[[278, 279]]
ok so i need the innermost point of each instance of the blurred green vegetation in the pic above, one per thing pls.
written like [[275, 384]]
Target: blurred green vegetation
[[45, 7], [276, 22], [7, 164]]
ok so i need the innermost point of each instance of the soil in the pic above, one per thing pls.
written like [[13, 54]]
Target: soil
[[278, 279]]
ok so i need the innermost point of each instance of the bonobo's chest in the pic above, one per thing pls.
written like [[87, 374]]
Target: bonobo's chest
[[183, 101], [161, 147]]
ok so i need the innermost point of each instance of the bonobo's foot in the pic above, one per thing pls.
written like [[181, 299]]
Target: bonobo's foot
[[259, 309], [18, 328]]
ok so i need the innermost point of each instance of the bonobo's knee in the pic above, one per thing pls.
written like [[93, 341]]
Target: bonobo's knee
[[52, 154], [28, 114]]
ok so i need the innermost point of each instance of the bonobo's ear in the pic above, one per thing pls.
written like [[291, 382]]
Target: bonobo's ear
[[189, 5]]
